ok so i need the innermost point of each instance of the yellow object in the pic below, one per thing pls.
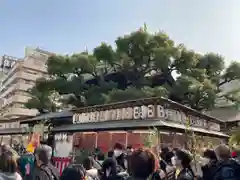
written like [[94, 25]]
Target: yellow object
[[30, 148], [177, 172]]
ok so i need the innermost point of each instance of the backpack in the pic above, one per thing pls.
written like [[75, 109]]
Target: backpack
[[50, 174], [225, 172]]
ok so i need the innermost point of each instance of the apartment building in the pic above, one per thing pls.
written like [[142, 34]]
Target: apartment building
[[18, 79]]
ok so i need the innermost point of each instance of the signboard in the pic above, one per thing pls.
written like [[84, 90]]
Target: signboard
[[143, 112]]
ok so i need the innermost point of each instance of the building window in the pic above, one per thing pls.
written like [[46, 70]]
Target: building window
[[28, 82], [31, 72], [22, 93], [38, 63], [18, 105]]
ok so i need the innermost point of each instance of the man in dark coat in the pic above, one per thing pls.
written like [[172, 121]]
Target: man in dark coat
[[44, 169]]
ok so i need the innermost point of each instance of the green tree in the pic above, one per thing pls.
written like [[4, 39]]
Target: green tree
[[140, 57], [234, 139], [41, 97]]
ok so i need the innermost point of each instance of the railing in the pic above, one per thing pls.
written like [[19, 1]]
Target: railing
[[19, 112], [14, 67], [10, 80], [15, 99]]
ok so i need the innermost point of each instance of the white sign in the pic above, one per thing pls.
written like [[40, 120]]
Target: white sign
[[143, 112], [138, 112]]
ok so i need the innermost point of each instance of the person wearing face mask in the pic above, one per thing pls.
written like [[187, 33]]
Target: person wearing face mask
[[119, 156], [183, 163], [109, 171], [208, 164]]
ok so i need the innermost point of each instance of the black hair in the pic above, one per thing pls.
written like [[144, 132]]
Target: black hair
[[164, 152], [110, 154], [42, 155], [118, 146], [209, 153], [168, 158], [142, 163], [129, 147], [8, 162], [185, 158], [109, 163], [100, 156], [73, 172], [88, 163]]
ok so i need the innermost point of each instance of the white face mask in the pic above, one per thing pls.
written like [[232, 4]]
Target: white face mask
[[173, 160], [204, 161], [125, 163], [117, 152]]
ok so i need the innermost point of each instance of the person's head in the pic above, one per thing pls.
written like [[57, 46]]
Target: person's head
[[100, 156], [4, 148], [142, 163], [183, 159], [8, 163], [88, 163], [163, 152], [118, 149], [129, 149], [73, 172], [110, 154], [223, 152], [208, 156], [42, 156], [174, 150], [48, 149], [168, 157], [109, 167]]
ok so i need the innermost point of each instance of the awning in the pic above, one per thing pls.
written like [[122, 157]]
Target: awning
[[11, 131], [54, 115], [108, 125], [195, 129], [129, 124]]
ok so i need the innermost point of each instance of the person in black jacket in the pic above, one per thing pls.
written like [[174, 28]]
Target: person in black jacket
[[73, 172], [227, 168], [44, 169], [209, 164], [109, 171], [143, 165], [119, 156], [183, 161]]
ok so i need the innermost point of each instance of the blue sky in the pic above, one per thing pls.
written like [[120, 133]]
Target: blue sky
[[66, 26]]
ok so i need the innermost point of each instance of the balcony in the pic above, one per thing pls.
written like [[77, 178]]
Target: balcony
[[16, 99], [30, 77], [10, 80], [37, 64], [19, 86], [11, 72], [20, 112], [21, 75]]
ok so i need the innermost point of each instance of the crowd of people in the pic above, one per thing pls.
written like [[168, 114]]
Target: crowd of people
[[123, 164]]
